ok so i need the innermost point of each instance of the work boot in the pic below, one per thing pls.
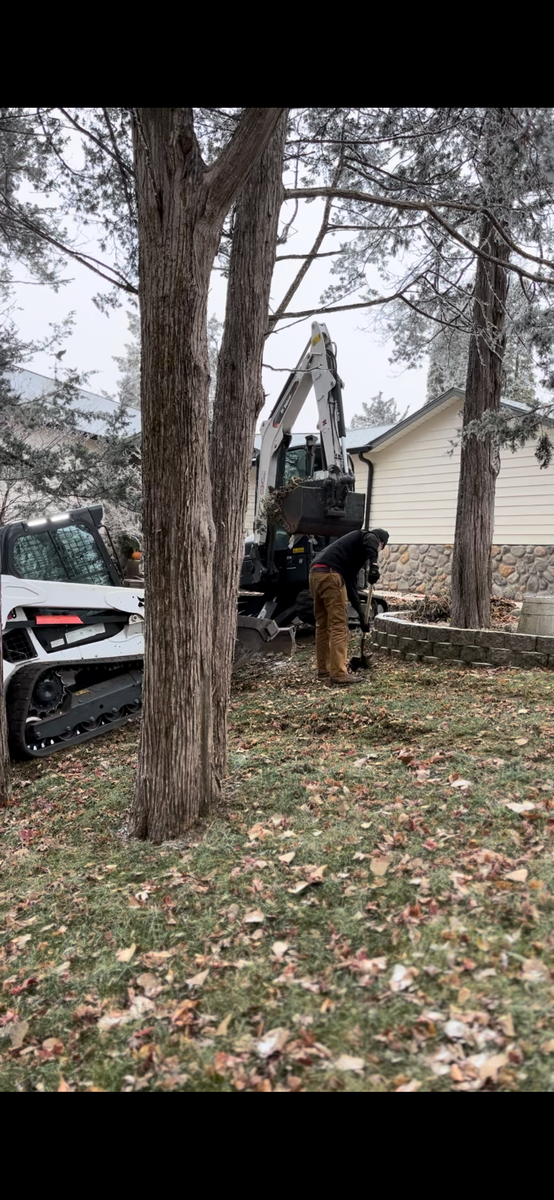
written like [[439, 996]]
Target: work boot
[[323, 674], [345, 680]]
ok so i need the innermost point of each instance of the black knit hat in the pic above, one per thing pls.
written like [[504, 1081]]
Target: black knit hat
[[381, 534]]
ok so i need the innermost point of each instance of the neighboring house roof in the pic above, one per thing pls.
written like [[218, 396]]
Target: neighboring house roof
[[31, 385], [356, 439], [374, 438], [453, 394]]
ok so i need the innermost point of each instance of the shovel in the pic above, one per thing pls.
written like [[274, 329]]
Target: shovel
[[363, 661]]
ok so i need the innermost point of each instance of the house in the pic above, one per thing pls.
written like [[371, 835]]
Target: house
[[411, 470], [15, 498], [32, 386]]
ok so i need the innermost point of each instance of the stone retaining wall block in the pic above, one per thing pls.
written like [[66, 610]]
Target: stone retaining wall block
[[545, 645], [527, 658], [490, 637], [444, 651], [500, 657], [473, 653], [463, 637]]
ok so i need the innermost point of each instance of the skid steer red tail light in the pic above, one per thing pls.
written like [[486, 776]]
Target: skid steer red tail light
[[59, 619]]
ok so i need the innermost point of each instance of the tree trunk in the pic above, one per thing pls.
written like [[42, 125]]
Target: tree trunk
[[5, 770], [181, 208], [238, 402], [479, 461]]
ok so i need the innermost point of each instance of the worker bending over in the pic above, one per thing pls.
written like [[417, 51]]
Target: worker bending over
[[333, 583]]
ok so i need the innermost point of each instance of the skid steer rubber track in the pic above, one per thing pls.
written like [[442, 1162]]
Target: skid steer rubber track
[[110, 701]]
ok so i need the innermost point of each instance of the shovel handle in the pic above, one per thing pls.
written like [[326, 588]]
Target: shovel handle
[[368, 603]]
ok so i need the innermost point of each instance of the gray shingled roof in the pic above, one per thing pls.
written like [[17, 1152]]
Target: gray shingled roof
[[31, 385]]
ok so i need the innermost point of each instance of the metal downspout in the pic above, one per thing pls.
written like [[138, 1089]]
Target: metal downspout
[[370, 473]]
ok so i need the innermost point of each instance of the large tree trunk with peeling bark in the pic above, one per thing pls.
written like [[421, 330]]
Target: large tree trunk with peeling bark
[[181, 208], [479, 461], [5, 770], [238, 402]]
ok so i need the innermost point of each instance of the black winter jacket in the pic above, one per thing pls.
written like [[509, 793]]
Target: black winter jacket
[[347, 556]]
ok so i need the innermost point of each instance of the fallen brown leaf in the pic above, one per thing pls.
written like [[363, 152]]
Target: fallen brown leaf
[[272, 1042], [125, 955], [52, 1045], [18, 1032], [199, 979], [490, 1068], [147, 981], [347, 1062], [402, 977], [379, 866], [279, 949], [254, 918]]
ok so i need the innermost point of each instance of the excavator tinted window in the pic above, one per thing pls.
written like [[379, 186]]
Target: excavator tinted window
[[295, 464], [67, 555]]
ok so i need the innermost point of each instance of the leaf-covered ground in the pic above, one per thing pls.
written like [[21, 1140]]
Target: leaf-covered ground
[[372, 911]]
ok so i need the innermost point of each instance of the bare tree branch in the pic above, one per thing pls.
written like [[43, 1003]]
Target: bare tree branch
[[324, 254], [334, 193], [311, 312], [86, 260], [123, 169], [92, 137], [323, 230]]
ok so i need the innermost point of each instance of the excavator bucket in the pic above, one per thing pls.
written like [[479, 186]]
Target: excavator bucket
[[257, 636], [304, 511]]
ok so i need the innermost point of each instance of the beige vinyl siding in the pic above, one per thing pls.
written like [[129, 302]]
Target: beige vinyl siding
[[524, 510], [360, 473], [415, 483], [415, 488]]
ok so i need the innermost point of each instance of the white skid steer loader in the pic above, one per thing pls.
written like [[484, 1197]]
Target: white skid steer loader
[[72, 636]]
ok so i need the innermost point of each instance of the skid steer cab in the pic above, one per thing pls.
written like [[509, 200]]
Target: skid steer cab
[[72, 634]]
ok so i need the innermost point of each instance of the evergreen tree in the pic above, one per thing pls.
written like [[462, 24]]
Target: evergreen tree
[[377, 412]]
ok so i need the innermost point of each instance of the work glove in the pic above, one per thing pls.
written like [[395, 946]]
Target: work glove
[[364, 625], [373, 574]]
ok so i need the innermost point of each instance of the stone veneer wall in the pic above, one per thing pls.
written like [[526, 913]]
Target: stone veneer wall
[[424, 568]]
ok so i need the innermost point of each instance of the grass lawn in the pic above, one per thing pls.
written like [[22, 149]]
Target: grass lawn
[[371, 911]]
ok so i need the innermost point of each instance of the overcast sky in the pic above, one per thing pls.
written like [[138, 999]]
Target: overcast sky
[[362, 359]]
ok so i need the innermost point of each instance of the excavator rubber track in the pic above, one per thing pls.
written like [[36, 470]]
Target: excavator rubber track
[[110, 696]]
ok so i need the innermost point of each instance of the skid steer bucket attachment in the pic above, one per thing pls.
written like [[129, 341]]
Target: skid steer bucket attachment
[[305, 510], [257, 636]]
